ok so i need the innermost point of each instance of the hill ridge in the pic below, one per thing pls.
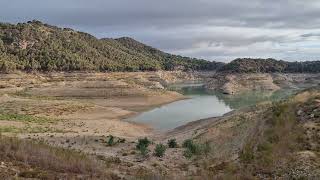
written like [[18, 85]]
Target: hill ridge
[[269, 65], [36, 46]]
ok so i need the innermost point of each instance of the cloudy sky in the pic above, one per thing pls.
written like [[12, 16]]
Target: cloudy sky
[[210, 29]]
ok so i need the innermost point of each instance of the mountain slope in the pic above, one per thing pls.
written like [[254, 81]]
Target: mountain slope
[[248, 65], [37, 46], [170, 61]]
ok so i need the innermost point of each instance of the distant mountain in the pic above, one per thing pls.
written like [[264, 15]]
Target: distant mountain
[[35, 46], [248, 65]]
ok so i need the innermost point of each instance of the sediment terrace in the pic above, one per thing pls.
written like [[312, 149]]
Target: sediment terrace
[[79, 110], [85, 103], [235, 83]]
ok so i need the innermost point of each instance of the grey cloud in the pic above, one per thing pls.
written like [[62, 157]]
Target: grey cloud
[[211, 29], [166, 12], [311, 35]]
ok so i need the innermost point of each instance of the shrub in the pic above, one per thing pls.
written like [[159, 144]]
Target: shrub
[[142, 146], [172, 143], [110, 141], [160, 150], [187, 153], [143, 142], [189, 144], [195, 149], [143, 150]]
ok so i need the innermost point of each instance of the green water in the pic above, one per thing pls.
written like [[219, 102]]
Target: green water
[[202, 104], [234, 101]]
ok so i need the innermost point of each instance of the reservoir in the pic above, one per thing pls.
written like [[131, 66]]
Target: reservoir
[[201, 104]]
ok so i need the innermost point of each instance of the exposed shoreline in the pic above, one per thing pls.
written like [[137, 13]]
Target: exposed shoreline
[[124, 101], [146, 109], [50, 110], [106, 97]]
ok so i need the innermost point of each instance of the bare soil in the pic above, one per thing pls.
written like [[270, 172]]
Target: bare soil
[[80, 110]]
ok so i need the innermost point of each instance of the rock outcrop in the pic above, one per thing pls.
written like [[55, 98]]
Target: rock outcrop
[[234, 83]]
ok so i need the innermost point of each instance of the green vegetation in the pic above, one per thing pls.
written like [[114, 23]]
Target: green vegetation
[[248, 65], [143, 150], [172, 143], [277, 137], [282, 135], [143, 142], [24, 118], [35, 46], [9, 129], [110, 141], [169, 61], [160, 150], [187, 143], [29, 129], [142, 146], [283, 143], [31, 124], [193, 148], [301, 67]]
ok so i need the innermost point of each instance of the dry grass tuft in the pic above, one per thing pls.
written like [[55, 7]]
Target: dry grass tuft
[[47, 158]]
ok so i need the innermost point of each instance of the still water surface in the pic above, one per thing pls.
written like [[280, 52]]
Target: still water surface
[[201, 104]]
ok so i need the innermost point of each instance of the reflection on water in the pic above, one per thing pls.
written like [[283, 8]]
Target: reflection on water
[[236, 101], [202, 104]]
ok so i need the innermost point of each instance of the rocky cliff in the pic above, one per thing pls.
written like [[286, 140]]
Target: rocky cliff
[[233, 83]]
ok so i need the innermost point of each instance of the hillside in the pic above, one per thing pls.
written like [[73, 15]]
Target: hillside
[[34, 46], [248, 65], [285, 142], [278, 140], [170, 61]]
